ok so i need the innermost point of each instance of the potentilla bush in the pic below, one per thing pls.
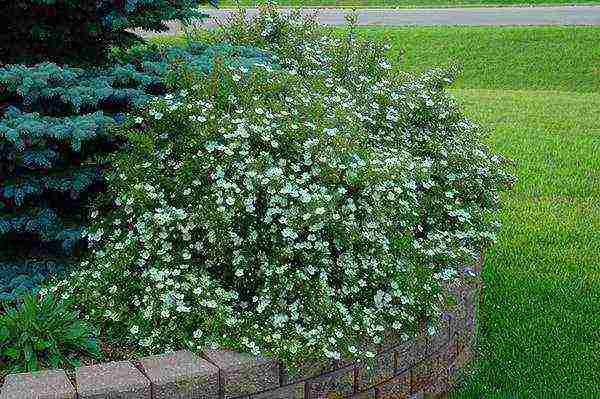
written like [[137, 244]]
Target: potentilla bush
[[300, 213]]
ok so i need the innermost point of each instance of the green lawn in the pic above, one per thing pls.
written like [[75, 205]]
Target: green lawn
[[399, 3], [541, 307], [530, 58], [538, 91]]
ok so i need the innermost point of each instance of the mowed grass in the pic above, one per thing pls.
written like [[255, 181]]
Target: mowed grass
[[537, 90], [398, 3], [540, 327], [527, 58]]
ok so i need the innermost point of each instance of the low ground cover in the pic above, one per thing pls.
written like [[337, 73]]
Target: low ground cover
[[511, 58], [542, 297]]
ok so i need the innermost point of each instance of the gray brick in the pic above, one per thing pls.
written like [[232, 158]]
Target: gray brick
[[423, 376], [294, 391], [370, 394], [243, 374], [181, 375], [310, 370], [396, 388], [371, 374], [411, 353], [391, 340], [116, 380], [336, 384], [441, 337], [52, 384], [441, 376]]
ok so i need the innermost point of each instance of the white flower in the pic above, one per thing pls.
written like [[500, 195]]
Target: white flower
[[211, 304], [385, 65], [330, 131], [182, 308]]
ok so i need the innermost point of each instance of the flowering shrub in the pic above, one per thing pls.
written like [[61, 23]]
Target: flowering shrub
[[297, 213]]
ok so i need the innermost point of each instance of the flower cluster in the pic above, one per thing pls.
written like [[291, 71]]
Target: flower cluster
[[299, 213]]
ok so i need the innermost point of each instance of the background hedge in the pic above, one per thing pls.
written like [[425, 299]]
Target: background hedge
[[81, 30]]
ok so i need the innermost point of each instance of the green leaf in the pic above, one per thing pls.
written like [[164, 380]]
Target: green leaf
[[55, 361], [12, 353], [28, 351], [4, 335], [74, 362], [93, 348], [32, 364], [41, 345]]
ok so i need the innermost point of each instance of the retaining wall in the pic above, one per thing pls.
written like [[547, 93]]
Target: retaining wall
[[427, 365]]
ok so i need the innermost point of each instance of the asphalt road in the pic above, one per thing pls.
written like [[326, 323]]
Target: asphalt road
[[476, 16]]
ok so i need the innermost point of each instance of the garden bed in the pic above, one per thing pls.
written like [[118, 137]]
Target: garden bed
[[288, 194], [428, 364]]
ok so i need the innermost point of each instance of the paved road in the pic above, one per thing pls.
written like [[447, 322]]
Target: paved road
[[479, 16]]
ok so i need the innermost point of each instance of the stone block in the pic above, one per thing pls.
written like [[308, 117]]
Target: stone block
[[396, 388], [441, 376], [392, 340], [336, 384], [423, 377], [368, 394], [411, 353], [371, 374], [293, 391], [115, 380], [440, 339], [309, 370], [181, 375], [243, 374], [52, 384]]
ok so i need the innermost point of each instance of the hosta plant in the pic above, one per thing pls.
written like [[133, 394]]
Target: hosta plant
[[299, 213], [43, 332]]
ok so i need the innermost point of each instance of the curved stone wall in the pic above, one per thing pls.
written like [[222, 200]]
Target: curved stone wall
[[425, 365]]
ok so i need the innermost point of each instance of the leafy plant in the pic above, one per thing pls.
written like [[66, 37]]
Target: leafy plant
[[43, 332], [298, 212]]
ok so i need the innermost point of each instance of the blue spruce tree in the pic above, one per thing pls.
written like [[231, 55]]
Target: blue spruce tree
[[59, 96]]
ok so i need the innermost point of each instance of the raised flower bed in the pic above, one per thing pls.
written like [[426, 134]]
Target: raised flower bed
[[321, 210], [428, 364]]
